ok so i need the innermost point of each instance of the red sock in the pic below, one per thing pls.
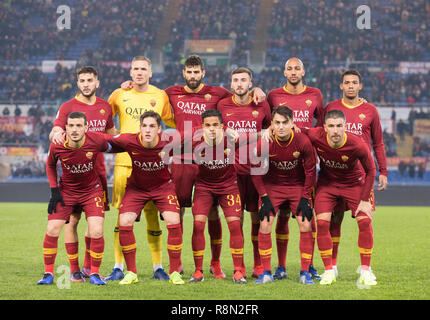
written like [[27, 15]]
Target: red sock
[[96, 250], [282, 236], [72, 249], [365, 240], [236, 243], [128, 244], [255, 228], [306, 250], [174, 246], [314, 236], [50, 245], [325, 244], [265, 249], [215, 234], [87, 257], [335, 229], [198, 243]]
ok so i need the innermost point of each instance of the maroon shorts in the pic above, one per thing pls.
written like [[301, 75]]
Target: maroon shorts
[[228, 200], [328, 197], [164, 198], [248, 194], [184, 176], [341, 205], [92, 205], [284, 197]]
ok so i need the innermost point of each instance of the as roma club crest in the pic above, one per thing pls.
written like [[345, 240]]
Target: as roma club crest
[[102, 112], [296, 154], [208, 97], [161, 154], [308, 102], [255, 113], [89, 155], [227, 151], [362, 116], [345, 158], [153, 102]]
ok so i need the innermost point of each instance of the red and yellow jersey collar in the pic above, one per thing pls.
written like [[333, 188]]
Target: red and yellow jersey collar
[[351, 106], [287, 91], [191, 91]]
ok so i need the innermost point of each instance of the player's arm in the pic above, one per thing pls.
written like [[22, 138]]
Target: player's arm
[[167, 114], [379, 149], [51, 172], [112, 101], [309, 165], [319, 111], [57, 135], [114, 144], [366, 160]]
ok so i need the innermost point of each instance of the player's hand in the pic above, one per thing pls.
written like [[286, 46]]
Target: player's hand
[[126, 85], [267, 134], [232, 134], [305, 207], [266, 208], [362, 100], [366, 208], [59, 137], [383, 180], [55, 198], [259, 95], [296, 129]]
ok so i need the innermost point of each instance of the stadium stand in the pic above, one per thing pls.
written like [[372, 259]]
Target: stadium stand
[[108, 34]]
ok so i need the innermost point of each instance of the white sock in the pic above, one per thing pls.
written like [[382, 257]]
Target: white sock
[[157, 266], [119, 266]]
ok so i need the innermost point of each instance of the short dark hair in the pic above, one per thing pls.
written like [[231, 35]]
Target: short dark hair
[[151, 114], [212, 113], [77, 115], [351, 72], [284, 111], [87, 69], [334, 114], [193, 61], [242, 70]]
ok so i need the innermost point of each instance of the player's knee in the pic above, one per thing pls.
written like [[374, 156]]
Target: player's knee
[[364, 223], [266, 226], [53, 229]]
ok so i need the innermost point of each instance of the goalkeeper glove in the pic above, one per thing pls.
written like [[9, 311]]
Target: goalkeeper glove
[[55, 198], [305, 208], [266, 208]]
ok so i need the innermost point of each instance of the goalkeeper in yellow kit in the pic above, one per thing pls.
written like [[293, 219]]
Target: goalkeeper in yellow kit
[[129, 105]]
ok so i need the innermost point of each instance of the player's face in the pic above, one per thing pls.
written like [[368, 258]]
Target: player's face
[[351, 86], [149, 129], [335, 128], [282, 126], [212, 127], [241, 83], [193, 76], [76, 129], [87, 84], [294, 72], [140, 72]]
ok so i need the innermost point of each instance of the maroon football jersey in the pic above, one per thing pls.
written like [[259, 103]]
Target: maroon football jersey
[[291, 163], [363, 120], [216, 164], [349, 165], [149, 165], [99, 115], [306, 105], [78, 176], [246, 119]]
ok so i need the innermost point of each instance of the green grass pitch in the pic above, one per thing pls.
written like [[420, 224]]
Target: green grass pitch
[[400, 261]]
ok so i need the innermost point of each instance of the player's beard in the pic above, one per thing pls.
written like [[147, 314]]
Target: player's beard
[[295, 83], [241, 94], [351, 96], [194, 84], [89, 95]]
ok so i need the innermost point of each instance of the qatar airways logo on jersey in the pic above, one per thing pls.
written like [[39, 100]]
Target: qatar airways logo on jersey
[[96, 125], [191, 107], [215, 164], [149, 165], [355, 128], [135, 113], [334, 164], [285, 165], [79, 168], [243, 125], [301, 115]]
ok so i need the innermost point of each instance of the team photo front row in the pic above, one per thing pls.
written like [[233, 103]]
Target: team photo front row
[[272, 174]]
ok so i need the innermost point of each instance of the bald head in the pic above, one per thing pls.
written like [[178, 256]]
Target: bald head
[[294, 71]]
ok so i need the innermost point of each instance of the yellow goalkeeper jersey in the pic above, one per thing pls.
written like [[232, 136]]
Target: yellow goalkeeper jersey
[[129, 105]]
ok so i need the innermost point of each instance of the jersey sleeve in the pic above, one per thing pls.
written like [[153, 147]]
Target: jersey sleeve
[[267, 121], [61, 118], [257, 177], [167, 113], [378, 144], [112, 101], [109, 124], [319, 110], [51, 167], [117, 143]]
